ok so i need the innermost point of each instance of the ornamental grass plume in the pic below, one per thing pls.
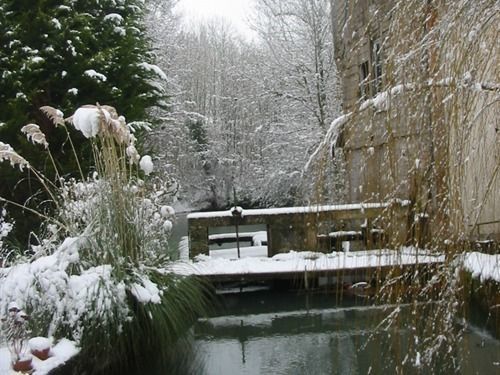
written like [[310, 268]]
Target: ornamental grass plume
[[34, 134], [7, 153]]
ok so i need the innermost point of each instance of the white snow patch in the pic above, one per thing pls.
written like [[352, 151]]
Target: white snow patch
[[483, 266], [259, 238], [5, 362], [146, 165], [232, 254], [381, 102], [87, 120], [60, 354], [222, 236], [331, 138], [71, 47], [39, 343], [37, 59], [344, 233], [56, 23], [116, 18], [120, 30], [299, 261], [293, 210], [147, 292], [153, 68], [95, 75]]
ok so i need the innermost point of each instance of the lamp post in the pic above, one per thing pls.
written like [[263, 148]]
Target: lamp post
[[236, 211]]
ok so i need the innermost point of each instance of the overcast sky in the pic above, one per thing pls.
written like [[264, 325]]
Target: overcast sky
[[235, 11]]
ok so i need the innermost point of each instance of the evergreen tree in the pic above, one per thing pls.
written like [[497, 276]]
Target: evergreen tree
[[66, 53]]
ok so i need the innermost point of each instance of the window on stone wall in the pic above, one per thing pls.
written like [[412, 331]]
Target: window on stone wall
[[376, 66], [364, 80]]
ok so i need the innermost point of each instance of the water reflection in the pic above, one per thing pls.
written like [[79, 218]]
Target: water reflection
[[290, 333]]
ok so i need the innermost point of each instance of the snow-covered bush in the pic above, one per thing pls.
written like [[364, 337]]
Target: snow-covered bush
[[98, 274]]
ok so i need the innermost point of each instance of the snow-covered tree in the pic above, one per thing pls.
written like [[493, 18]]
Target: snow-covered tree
[[232, 132], [74, 52], [298, 36], [246, 115], [69, 53]]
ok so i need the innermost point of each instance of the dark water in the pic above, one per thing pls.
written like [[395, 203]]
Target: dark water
[[286, 332], [293, 333]]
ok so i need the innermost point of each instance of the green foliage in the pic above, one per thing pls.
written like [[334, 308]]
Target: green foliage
[[147, 342], [198, 133], [48, 46], [49, 51]]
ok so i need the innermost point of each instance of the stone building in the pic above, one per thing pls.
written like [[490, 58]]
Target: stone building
[[420, 88]]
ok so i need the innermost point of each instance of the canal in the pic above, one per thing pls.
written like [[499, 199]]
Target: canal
[[287, 332], [290, 332]]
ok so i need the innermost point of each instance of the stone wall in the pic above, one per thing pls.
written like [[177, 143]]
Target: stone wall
[[405, 146]]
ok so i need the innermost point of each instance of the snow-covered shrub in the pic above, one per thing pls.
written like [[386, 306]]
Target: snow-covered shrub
[[59, 296], [97, 275]]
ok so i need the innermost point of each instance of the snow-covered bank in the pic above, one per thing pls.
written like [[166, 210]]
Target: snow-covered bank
[[483, 266], [4, 361]]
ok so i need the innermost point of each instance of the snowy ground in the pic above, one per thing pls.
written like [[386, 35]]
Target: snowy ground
[[60, 354]]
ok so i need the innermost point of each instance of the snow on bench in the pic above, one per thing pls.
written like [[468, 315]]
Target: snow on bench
[[258, 238]]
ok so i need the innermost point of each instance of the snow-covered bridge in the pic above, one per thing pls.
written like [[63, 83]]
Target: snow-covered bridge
[[312, 228], [312, 245]]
